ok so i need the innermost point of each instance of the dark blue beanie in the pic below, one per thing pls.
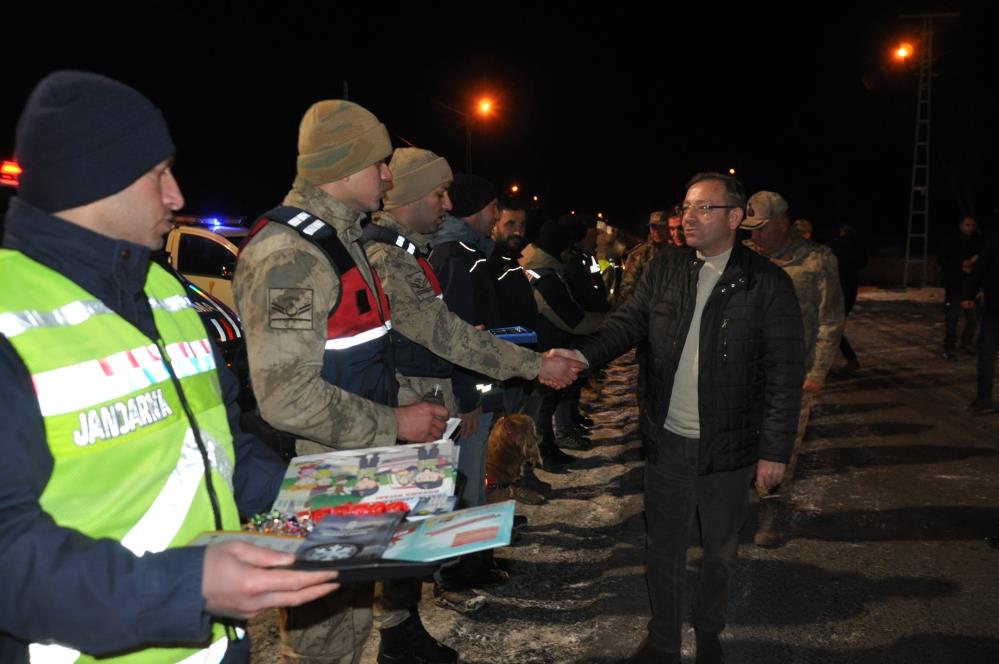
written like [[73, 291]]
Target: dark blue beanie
[[469, 194], [83, 137]]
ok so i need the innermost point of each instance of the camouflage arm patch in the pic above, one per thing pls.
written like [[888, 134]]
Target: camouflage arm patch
[[290, 308]]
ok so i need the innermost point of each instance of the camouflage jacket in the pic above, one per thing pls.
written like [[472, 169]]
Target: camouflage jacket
[[635, 265], [286, 357], [419, 315], [812, 267]]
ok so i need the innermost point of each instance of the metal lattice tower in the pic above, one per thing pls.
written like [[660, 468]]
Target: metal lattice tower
[[917, 239]]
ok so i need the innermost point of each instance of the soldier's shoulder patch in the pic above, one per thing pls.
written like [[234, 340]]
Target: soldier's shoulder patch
[[290, 308], [420, 286]]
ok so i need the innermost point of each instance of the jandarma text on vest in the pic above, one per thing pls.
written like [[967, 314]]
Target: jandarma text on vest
[[121, 417]]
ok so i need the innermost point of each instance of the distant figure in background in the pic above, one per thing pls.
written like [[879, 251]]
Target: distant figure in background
[[852, 258], [985, 277], [662, 230], [956, 259], [804, 228]]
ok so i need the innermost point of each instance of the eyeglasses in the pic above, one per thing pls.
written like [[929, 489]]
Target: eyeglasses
[[704, 210]]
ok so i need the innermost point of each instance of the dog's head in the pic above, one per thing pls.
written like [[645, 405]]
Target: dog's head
[[513, 442]]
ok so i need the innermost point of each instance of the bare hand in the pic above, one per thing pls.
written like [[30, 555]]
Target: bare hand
[[812, 386], [420, 422], [240, 580], [470, 422], [769, 474], [967, 304], [559, 371]]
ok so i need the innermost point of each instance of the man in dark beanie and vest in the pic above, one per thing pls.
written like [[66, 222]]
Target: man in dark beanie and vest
[[121, 441], [317, 324]]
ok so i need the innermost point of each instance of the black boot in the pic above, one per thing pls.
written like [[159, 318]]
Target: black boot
[[553, 459], [709, 650], [410, 643]]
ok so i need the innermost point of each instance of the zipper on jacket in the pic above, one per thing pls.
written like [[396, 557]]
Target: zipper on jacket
[[724, 331]]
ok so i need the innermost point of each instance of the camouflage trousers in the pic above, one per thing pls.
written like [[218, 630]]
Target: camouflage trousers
[[807, 401], [329, 630], [333, 629]]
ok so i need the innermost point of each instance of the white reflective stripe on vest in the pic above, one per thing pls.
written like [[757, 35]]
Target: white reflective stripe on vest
[[117, 375], [594, 265], [161, 522], [53, 654], [74, 313], [172, 304], [359, 338], [213, 654], [14, 323]]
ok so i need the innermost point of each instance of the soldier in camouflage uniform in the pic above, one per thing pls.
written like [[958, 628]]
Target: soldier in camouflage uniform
[[428, 336], [316, 323], [664, 232], [812, 267]]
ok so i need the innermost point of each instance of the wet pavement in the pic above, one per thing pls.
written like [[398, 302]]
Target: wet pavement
[[885, 559]]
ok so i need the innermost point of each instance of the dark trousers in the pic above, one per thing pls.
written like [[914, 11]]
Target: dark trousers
[[674, 493], [849, 299], [952, 314], [988, 345]]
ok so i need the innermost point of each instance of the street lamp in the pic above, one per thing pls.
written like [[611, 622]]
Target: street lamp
[[514, 188], [484, 107]]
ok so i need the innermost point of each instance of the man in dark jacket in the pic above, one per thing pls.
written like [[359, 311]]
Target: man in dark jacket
[[725, 370], [92, 548], [985, 277], [957, 258]]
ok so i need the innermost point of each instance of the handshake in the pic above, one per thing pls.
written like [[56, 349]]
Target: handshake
[[560, 367]]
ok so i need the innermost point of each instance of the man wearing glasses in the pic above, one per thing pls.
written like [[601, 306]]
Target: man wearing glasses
[[724, 368]]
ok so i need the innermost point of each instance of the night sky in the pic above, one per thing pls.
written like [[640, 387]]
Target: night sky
[[610, 109]]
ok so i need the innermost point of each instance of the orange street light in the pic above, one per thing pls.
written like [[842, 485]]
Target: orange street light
[[903, 51], [485, 106], [514, 188], [731, 171]]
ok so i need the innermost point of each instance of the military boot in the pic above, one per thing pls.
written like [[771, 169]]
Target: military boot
[[410, 643]]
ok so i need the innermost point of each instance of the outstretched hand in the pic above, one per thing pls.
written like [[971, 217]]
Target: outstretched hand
[[560, 367], [240, 580]]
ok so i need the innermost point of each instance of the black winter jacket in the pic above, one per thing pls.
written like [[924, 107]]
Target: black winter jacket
[[751, 353]]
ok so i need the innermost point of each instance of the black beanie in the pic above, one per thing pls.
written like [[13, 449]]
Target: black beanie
[[469, 194], [554, 237], [83, 137], [575, 226]]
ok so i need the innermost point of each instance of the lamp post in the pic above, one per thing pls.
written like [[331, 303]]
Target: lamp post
[[484, 107], [917, 237]]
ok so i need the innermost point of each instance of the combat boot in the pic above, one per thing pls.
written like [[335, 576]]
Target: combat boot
[[410, 643]]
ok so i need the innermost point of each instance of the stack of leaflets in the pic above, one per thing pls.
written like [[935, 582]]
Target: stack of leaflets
[[423, 476]]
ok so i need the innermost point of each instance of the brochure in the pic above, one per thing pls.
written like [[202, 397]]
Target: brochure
[[449, 535]]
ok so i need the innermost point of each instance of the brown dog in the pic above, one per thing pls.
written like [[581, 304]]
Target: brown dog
[[513, 442]]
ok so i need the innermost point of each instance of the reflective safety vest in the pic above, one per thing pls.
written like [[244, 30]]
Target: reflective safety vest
[[412, 359], [128, 463], [358, 356]]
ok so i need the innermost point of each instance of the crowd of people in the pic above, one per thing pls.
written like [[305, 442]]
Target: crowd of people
[[374, 282]]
